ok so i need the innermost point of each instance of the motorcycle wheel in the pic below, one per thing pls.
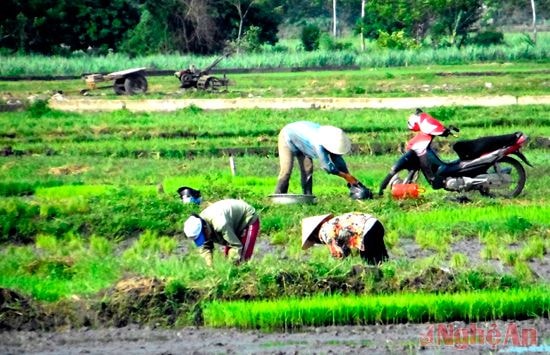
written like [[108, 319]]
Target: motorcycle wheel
[[517, 178], [400, 177]]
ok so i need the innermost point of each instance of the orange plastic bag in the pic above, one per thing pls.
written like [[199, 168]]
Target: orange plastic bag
[[403, 191]]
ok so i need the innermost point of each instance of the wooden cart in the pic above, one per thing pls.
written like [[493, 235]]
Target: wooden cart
[[126, 82]]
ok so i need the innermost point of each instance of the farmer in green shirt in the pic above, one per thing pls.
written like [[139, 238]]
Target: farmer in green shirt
[[233, 224]]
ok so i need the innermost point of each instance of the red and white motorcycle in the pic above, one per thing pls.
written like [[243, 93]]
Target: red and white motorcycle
[[484, 164]]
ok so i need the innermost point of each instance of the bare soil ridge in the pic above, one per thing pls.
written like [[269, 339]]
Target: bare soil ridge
[[60, 102]]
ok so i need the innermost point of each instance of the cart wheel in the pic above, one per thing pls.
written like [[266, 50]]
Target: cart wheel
[[188, 81], [118, 86], [209, 85], [135, 84]]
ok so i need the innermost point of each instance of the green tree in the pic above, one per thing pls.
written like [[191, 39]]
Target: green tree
[[454, 19], [200, 26], [449, 20], [409, 16], [48, 26]]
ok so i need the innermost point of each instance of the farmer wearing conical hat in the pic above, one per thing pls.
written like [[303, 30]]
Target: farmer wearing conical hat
[[346, 232], [307, 141], [231, 223]]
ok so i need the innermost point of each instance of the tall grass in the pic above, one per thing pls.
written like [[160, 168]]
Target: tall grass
[[56, 65], [358, 310]]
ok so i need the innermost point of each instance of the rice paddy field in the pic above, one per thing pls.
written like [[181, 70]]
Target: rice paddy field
[[91, 224]]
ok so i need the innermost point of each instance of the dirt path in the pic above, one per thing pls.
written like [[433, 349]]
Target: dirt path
[[63, 103], [374, 339]]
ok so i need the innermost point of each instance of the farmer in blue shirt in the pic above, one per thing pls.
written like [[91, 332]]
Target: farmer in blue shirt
[[307, 141]]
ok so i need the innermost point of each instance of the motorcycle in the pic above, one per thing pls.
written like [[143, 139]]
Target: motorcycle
[[484, 164]]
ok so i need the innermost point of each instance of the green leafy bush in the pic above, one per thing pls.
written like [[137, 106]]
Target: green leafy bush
[[39, 108], [310, 37], [487, 38], [328, 43], [395, 40], [251, 41]]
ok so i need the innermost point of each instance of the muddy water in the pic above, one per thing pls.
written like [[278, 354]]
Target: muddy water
[[397, 338]]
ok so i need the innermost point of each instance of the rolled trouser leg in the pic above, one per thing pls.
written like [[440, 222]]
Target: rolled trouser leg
[[286, 160], [306, 173], [249, 237]]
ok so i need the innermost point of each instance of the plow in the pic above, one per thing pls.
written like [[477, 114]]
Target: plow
[[201, 79]]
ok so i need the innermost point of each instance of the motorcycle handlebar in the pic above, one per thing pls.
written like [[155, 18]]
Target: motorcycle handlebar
[[454, 128]]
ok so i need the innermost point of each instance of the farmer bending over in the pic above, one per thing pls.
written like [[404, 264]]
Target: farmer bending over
[[341, 234], [231, 223], [307, 141]]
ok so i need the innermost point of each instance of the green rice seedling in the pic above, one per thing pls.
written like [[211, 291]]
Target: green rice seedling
[[433, 240], [47, 242], [280, 238], [342, 310], [391, 239], [56, 270], [100, 246], [459, 260], [490, 252], [523, 271], [472, 280], [533, 249], [509, 257], [18, 220], [517, 224], [150, 244], [24, 188], [67, 191]]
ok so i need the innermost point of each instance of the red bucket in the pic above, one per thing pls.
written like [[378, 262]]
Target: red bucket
[[403, 191]]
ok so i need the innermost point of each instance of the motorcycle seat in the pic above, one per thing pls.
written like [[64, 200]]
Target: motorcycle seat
[[471, 149]]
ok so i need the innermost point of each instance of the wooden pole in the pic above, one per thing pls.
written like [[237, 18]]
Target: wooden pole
[[534, 21], [363, 25], [232, 165]]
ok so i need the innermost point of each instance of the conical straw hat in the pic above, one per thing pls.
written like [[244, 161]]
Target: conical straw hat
[[309, 225], [334, 140]]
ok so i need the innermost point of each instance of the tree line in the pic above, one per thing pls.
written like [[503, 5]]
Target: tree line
[[140, 27]]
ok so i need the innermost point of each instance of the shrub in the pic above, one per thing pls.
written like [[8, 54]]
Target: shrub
[[38, 108], [310, 37], [251, 41], [395, 40], [328, 43], [487, 38]]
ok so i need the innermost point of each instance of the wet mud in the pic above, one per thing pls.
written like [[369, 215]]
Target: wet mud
[[445, 338]]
